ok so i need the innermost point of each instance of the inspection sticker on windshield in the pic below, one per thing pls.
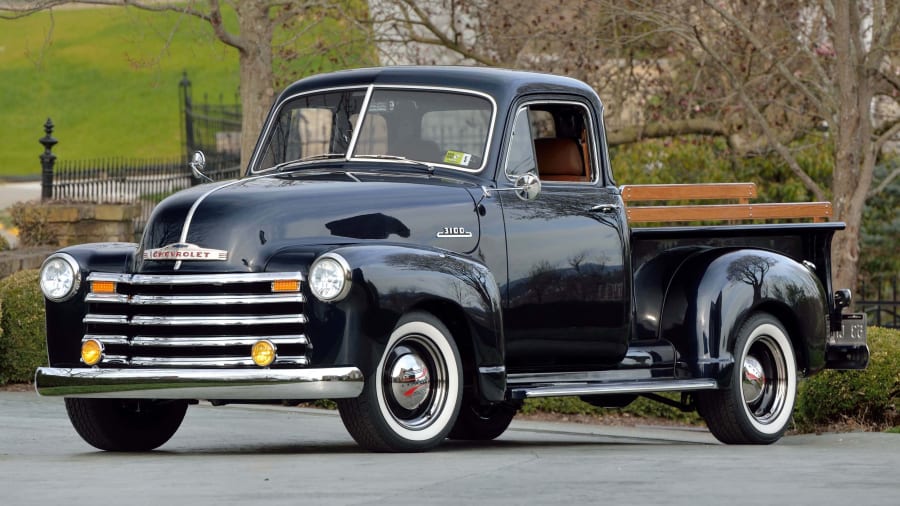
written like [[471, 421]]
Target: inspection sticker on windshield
[[458, 158]]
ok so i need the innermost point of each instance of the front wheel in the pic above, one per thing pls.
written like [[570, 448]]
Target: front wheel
[[411, 401], [121, 425], [756, 407]]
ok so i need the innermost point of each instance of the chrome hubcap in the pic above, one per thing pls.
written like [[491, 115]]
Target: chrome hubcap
[[414, 382], [410, 381], [753, 380], [764, 374]]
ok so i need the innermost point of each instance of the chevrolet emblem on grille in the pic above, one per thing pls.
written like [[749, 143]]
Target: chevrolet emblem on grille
[[184, 251]]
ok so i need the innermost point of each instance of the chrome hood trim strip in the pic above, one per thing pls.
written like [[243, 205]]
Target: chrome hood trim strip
[[190, 215], [212, 384]]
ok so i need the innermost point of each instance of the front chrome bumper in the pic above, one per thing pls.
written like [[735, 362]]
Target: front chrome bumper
[[207, 384]]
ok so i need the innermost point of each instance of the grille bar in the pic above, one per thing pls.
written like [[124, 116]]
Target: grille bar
[[222, 362], [195, 341], [217, 320], [197, 320], [195, 300]]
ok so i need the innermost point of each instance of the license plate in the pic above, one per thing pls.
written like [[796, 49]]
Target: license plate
[[853, 330]]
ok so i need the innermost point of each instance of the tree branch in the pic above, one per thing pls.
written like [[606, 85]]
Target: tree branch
[[215, 20], [782, 150], [884, 184], [699, 126], [885, 133], [894, 81], [441, 38], [214, 17], [757, 43]]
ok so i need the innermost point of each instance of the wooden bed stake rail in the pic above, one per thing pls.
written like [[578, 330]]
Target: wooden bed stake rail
[[708, 191], [817, 211]]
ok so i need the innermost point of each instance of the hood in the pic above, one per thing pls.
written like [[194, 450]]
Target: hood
[[252, 219]]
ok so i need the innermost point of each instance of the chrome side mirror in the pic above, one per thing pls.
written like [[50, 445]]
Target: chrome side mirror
[[528, 187], [197, 164]]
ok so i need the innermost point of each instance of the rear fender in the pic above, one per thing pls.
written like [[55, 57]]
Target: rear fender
[[714, 291]]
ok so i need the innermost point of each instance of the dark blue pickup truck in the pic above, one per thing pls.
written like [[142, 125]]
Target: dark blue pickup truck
[[429, 247]]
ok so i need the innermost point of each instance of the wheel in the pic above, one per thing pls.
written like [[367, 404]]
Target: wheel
[[411, 400], [121, 425], [756, 408], [477, 422]]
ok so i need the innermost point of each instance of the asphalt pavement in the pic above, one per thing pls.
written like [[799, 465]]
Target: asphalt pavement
[[276, 455], [10, 193]]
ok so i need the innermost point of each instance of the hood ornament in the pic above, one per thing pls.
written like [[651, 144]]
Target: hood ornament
[[182, 251]]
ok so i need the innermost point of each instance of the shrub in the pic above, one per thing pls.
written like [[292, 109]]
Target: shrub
[[23, 344], [32, 219], [640, 408], [865, 398]]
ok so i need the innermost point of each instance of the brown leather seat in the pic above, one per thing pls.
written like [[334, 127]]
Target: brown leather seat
[[559, 159]]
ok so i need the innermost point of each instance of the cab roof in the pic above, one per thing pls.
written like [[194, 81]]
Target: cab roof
[[501, 84]]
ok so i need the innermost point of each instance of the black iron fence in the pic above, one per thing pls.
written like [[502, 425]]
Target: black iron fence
[[213, 128], [879, 298], [118, 180], [121, 180]]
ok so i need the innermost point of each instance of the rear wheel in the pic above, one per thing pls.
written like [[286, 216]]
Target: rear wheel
[[411, 401], [122, 425], [756, 407]]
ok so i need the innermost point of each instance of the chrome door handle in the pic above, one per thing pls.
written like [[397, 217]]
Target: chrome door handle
[[604, 208]]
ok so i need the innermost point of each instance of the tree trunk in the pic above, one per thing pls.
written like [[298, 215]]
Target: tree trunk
[[256, 30], [854, 152]]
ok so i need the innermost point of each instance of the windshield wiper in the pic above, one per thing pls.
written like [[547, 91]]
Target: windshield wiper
[[290, 163], [429, 167]]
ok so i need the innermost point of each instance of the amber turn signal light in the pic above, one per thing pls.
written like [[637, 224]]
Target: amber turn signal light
[[91, 352], [263, 353], [103, 287], [286, 285]]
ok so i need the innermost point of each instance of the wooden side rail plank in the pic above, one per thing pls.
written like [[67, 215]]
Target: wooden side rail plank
[[791, 210], [708, 191]]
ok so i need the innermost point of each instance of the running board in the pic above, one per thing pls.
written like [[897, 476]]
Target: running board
[[617, 387]]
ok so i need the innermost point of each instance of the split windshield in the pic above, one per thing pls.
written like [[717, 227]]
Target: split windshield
[[442, 128]]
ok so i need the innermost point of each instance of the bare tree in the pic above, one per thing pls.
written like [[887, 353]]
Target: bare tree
[[256, 39], [766, 75], [752, 270]]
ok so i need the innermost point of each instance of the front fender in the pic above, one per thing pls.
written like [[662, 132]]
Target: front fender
[[714, 291], [65, 326], [391, 280]]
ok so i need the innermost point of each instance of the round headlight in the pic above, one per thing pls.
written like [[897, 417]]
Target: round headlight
[[60, 277], [329, 277]]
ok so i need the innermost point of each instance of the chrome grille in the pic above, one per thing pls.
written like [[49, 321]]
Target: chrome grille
[[196, 320]]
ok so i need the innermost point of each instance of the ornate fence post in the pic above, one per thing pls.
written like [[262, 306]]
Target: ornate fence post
[[47, 161], [187, 111]]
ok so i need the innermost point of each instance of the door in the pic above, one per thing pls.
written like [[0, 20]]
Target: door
[[565, 300]]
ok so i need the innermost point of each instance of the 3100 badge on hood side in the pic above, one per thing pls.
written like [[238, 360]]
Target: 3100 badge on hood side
[[185, 251]]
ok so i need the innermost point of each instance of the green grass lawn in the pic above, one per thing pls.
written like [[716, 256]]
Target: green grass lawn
[[108, 77]]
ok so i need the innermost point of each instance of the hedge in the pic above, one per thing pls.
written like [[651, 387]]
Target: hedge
[[867, 398], [23, 345]]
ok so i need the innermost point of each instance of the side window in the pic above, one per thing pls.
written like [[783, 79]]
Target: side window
[[562, 149], [520, 158]]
